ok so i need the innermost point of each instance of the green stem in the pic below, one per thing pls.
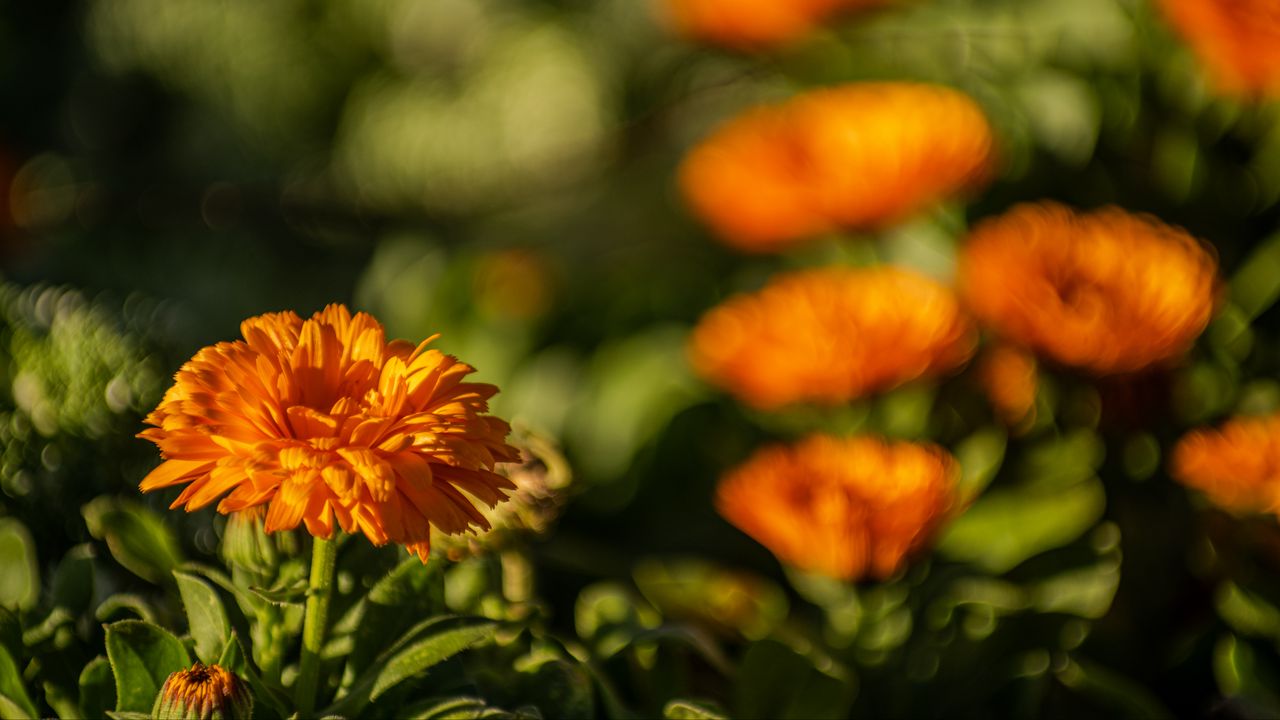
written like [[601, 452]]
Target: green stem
[[323, 556]]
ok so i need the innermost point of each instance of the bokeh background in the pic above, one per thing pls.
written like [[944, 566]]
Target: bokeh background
[[502, 172]]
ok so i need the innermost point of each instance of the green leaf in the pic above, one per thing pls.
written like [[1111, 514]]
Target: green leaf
[[205, 616], [775, 681], [12, 690], [410, 591], [1122, 696], [429, 643], [440, 644], [18, 567], [97, 688], [136, 536], [692, 710], [61, 700], [290, 592], [118, 715], [73, 580], [1256, 284], [142, 656], [562, 688], [1007, 526], [980, 456], [123, 603], [463, 708], [1246, 677], [10, 632]]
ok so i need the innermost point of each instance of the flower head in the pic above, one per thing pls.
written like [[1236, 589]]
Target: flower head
[[857, 156], [1236, 466], [1008, 376], [324, 418], [203, 692], [831, 335], [844, 507], [1106, 291], [1238, 41], [751, 24]]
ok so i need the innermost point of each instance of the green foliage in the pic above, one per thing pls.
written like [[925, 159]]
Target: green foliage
[[136, 535], [142, 656]]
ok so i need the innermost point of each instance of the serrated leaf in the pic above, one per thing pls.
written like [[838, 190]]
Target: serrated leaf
[[411, 590], [12, 689], [691, 710], [73, 580], [97, 688], [1007, 526], [21, 586], [136, 536], [142, 656], [206, 617], [438, 645]]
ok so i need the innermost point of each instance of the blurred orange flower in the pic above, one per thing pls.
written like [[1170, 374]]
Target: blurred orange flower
[[1236, 466], [751, 24], [831, 335], [857, 156], [1008, 376], [1237, 40], [1107, 291], [325, 418], [845, 507]]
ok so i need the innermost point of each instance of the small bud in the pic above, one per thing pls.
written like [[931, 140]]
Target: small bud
[[203, 692], [246, 545]]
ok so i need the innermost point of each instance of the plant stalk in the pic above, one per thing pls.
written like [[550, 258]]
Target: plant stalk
[[315, 625]]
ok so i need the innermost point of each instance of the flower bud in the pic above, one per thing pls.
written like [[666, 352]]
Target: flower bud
[[203, 692], [246, 545]]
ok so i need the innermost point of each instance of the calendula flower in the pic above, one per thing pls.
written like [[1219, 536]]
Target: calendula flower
[[1008, 376], [1237, 40], [752, 24], [856, 156], [831, 335], [848, 508], [323, 419], [1106, 291], [1237, 466], [203, 692]]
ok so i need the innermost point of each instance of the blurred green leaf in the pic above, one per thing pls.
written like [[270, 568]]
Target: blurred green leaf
[[774, 681], [693, 589], [980, 456], [561, 689], [21, 586], [136, 536], [73, 580], [122, 604], [97, 688], [142, 656], [1255, 285], [1115, 692], [10, 631], [206, 617], [464, 708], [1007, 526], [1246, 678], [692, 710], [12, 692]]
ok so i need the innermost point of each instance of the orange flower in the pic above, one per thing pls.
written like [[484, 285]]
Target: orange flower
[[750, 24], [831, 335], [857, 156], [203, 691], [844, 507], [325, 418], [1107, 291], [1238, 41], [1237, 466], [1008, 375]]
